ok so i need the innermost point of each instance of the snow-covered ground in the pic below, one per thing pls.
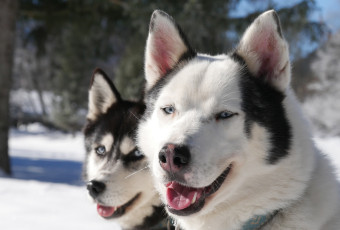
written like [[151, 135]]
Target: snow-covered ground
[[33, 205], [46, 190]]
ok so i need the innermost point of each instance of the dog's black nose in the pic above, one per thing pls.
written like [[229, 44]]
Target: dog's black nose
[[173, 158], [95, 188]]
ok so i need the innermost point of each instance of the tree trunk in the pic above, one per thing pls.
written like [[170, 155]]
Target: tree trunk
[[8, 11]]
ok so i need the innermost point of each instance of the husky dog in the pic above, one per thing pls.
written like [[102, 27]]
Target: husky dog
[[227, 143], [116, 171]]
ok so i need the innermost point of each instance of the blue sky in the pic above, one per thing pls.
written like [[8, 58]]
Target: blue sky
[[328, 10]]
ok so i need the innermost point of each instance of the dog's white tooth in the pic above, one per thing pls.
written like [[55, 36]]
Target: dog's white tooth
[[194, 199]]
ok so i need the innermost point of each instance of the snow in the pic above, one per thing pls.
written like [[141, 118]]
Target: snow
[[27, 205], [35, 141], [46, 189]]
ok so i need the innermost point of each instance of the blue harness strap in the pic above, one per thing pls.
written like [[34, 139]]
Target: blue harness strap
[[257, 222]]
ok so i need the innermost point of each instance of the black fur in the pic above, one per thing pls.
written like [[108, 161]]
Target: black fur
[[130, 158], [152, 221], [263, 104], [120, 120]]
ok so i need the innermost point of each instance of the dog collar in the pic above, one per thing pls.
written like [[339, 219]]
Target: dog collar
[[257, 222]]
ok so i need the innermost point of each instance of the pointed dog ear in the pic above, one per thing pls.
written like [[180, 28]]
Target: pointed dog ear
[[265, 50], [166, 46], [102, 95]]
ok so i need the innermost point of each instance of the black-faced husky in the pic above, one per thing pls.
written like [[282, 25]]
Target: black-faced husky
[[116, 171], [228, 145]]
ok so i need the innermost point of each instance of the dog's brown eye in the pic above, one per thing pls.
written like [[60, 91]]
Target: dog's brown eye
[[101, 150], [168, 109], [224, 115]]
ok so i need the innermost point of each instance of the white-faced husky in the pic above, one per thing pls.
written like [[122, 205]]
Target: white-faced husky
[[116, 171], [227, 142]]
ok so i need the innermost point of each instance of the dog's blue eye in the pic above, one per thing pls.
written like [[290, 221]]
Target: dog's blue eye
[[101, 150], [168, 109], [137, 153], [224, 115], [134, 156]]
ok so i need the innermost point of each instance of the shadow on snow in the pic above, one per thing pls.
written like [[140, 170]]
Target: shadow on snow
[[55, 171]]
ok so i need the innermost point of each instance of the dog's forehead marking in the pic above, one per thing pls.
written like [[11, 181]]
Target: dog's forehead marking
[[94, 166], [126, 145], [107, 141], [208, 82]]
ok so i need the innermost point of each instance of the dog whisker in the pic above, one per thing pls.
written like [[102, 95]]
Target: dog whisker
[[134, 115], [136, 172]]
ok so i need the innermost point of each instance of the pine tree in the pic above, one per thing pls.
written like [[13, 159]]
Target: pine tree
[[82, 35], [322, 106]]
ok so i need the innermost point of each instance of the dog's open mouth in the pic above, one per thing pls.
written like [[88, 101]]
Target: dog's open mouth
[[109, 212], [183, 200]]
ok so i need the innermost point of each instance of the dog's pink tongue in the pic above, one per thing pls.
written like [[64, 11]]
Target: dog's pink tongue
[[180, 197], [105, 211]]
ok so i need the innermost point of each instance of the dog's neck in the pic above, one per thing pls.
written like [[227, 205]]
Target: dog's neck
[[255, 223], [156, 221]]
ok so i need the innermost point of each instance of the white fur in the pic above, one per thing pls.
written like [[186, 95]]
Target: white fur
[[301, 185], [94, 163]]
